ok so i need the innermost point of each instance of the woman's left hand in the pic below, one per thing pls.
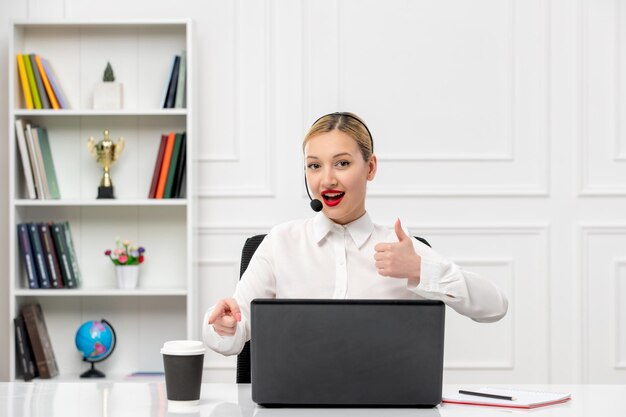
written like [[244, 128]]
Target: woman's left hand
[[398, 259]]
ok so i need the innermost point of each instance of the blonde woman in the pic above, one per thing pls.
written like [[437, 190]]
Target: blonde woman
[[340, 253]]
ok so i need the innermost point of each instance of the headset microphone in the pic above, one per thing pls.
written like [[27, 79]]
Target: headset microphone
[[316, 205]]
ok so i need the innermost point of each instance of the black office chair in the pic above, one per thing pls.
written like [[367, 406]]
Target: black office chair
[[243, 359]]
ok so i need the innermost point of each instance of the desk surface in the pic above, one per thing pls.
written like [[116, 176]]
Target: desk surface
[[137, 399]]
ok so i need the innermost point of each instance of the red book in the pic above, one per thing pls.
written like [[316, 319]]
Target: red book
[[165, 167], [157, 167]]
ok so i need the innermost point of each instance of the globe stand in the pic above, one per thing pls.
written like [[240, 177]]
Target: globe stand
[[93, 372]]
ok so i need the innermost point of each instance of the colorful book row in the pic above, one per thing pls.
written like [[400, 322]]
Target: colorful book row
[[34, 353], [48, 255], [40, 85], [168, 179], [37, 162], [174, 95]]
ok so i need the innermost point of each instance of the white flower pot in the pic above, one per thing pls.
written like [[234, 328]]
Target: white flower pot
[[127, 276], [107, 96]]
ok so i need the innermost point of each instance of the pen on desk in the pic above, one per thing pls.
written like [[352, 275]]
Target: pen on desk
[[483, 394]]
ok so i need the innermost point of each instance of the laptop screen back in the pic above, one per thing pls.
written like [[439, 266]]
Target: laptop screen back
[[347, 352]]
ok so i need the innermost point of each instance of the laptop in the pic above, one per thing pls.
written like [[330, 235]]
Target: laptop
[[339, 353]]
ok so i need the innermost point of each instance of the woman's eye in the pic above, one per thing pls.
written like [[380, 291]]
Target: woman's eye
[[313, 166], [343, 164]]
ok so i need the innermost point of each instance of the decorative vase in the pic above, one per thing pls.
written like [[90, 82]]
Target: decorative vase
[[107, 96], [127, 276]]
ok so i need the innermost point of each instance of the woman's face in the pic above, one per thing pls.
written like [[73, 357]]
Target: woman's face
[[338, 175]]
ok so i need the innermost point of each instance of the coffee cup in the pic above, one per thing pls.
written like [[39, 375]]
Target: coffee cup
[[183, 362]]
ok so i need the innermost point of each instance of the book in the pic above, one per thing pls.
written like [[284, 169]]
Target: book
[[31, 81], [61, 245], [25, 158], [45, 103], [169, 182], [522, 398], [167, 157], [54, 83], [38, 254], [39, 160], [180, 100], [180, 167], [46, 83], [48, 163], [157, 167], [71, 252], [32, 153], [56, 279], [171, 89], [23, 350], [21, 70], [40, 340], [23, 236]]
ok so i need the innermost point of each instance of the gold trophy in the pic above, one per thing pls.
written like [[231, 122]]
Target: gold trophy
[[106, 152]]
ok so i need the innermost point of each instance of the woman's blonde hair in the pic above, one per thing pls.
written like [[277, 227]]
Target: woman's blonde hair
[[348, 123]]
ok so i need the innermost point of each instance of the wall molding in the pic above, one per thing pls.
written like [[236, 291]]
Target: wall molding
[[585, 231]]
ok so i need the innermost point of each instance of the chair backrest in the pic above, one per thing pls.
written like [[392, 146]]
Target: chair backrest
[[243, 359]]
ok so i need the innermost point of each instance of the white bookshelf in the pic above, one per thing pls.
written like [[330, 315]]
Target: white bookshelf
[[162, 307]]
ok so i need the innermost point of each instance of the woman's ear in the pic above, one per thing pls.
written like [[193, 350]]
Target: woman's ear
[[372, 165]]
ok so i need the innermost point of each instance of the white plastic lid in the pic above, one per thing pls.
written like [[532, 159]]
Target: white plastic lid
[[183, 348]]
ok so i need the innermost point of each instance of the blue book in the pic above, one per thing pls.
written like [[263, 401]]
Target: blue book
[[54, 83], [170, 100], [40, 257], [27, 255]]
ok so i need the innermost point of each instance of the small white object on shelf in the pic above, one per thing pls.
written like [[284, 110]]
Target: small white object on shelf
[[127, 276], [108, 96]]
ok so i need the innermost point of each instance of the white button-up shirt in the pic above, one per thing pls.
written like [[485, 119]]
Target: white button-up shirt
[[317, 258]]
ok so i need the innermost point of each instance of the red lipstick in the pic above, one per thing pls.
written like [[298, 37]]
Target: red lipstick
[[332, 197]]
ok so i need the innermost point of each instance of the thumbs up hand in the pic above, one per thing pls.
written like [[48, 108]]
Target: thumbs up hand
[[398, 259]]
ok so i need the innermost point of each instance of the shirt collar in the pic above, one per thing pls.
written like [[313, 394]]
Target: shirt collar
[[360, 229]]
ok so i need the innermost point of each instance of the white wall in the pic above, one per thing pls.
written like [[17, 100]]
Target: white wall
[[498, 129]]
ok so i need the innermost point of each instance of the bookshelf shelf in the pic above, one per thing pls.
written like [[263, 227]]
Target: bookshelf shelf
[[162, 306], [172, 202], [86, 113], [103, 292]]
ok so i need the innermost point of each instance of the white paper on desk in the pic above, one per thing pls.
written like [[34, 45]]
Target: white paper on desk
[[523, 398]]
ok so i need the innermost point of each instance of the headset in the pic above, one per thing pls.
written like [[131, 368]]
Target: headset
[[316, 204]]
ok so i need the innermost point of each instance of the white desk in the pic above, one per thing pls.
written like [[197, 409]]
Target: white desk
[[143, 399]]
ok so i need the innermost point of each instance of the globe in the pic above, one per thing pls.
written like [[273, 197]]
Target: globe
[[95, 339]]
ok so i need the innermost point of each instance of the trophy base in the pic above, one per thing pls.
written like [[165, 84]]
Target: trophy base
[[105, 192]]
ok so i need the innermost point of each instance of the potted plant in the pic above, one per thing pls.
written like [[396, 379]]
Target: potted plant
[[108, 93], [126, 259]]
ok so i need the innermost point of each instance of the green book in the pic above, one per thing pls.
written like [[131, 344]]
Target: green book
[[169, 184], [71, 252], [48, 163], [31, 81], [60, 243]]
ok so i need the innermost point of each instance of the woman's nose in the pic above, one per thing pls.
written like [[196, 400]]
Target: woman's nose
[[329, 180]]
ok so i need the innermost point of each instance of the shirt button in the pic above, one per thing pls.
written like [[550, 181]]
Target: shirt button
[[342, 262]]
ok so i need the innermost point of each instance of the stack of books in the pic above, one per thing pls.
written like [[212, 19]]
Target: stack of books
[[48, 255], [37, 163], [40, 86], [168, 179], [174, 96], [34, 353]]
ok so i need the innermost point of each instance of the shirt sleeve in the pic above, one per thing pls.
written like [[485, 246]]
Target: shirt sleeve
[[464, 291], [257, 282]]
